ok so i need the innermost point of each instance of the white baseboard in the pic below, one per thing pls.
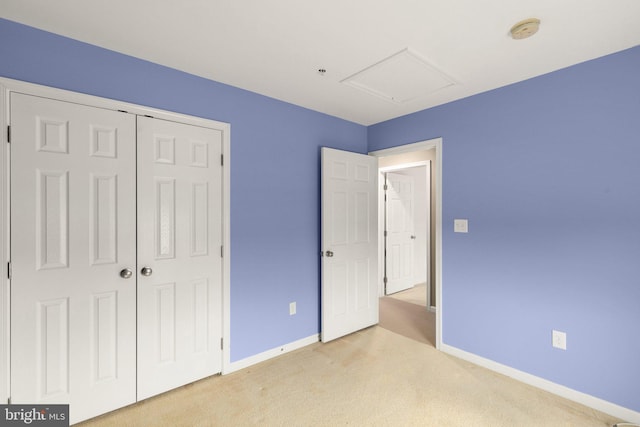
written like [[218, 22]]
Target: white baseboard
[[557, 389], [270, 354]]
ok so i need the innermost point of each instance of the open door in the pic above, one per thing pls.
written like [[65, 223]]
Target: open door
[[349, 243], [399, 232]]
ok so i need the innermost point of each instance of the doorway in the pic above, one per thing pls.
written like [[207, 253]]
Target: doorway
[[407, 228], [411, 156]]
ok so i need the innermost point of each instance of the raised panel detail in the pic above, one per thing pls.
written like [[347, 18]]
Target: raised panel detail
[[339, 170], [362, 173], [199, 219], [165, 297], [52, 347], [362, 283], [52, 219], [103, 219], [52, 135], [200, 315], [362, 216], [104, 337], [340, 218], [165, 218], [104, 142], [340, 300], [199, 154], [165, 149]]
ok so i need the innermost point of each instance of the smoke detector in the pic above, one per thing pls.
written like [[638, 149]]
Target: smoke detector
[[524, 29]]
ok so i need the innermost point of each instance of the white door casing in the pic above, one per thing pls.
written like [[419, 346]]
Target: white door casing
[[436, 145], [349, 243], [73, 231], [4, 252], [180, 240], [400, 232]]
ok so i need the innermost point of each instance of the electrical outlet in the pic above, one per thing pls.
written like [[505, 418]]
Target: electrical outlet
[[292, 308], [559, 340]]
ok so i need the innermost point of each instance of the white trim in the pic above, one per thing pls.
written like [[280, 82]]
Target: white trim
[[436, 144], [546, 385], [226, 253], [10, 85], [4, 249], [403, 166], [270, 354]]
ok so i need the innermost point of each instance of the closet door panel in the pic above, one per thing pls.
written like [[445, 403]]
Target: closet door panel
[[73, 231], [179, 241]]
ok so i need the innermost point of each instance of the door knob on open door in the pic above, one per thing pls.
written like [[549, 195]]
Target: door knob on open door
[[329, 254], [146, 271], [125, 273]]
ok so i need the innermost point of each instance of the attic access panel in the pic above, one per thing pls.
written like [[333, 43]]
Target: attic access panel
[[400, 78]]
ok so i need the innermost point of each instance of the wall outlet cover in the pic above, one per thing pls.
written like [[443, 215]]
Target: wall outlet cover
[[559, 340]]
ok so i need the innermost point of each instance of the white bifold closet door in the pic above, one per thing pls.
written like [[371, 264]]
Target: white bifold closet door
[[73, 317], [179, 241], [114, 297]]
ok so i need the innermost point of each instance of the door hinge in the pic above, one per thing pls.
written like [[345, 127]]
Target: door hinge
[[9, 401], [385, 280], [385, 233], [9, 134], [221, 251], [221, 343], [221, 159], [9, 270], [386, 187]]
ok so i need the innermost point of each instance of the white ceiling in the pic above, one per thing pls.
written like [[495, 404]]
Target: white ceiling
[[275, 47]]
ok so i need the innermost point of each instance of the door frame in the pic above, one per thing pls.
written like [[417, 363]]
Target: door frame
[[9, 85], [435, 144], [382, 205], [4, 249]]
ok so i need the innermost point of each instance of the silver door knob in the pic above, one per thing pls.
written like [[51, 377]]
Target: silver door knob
[[329, 254], [126, 273], [146, 271]]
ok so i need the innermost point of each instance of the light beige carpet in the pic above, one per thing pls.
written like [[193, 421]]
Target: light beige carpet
[[415, 295], [410, 320], [371, 378]]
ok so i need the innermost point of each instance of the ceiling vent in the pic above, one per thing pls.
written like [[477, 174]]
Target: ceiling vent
[[400, 78]]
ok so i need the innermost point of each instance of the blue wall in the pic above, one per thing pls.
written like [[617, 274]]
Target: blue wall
[[548, 173], [275, 168]]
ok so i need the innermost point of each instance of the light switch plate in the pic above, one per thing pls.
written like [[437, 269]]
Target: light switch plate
[[460, 226]]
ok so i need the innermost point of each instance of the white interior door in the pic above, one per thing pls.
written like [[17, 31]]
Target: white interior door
[[400, 232], [73, 316], [179, 241], [349, 242]]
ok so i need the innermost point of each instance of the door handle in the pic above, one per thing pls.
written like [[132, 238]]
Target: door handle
[[329, 254], [413, 237], [126, 273], [146, 271]]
